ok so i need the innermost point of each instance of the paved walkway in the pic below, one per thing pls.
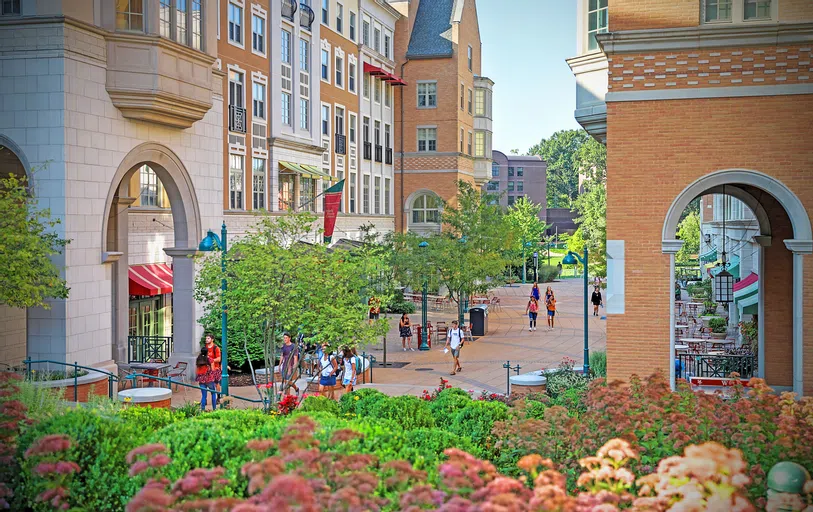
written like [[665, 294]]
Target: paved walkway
[[482, 360]]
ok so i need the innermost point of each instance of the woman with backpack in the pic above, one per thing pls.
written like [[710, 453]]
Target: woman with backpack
[[532, 310], [349, 372], [205, 376], [327, 372]]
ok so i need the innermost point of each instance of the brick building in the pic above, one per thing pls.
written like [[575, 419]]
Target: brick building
[[694, 98], [443, 114]]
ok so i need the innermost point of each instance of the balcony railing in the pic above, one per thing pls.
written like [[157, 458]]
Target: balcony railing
[[289, 9], [143, 349], [341, 144], [237, 119], [388, 156], [368, 151], [306, 16], [379, 150], [718, 366]]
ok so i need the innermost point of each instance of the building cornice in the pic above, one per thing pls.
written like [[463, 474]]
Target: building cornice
[[705, 36], [285, 143], [592, 61], [710, 92]]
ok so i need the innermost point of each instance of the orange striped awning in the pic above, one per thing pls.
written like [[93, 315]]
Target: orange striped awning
[[151, 279]]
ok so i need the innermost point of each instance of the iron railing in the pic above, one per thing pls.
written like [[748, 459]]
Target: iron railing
[[388, 156], [237, 119], [718, 366], [306, 16], [143, 349], [288, 9], [76, 367], [368, 151], [379, 150], [341, 144]]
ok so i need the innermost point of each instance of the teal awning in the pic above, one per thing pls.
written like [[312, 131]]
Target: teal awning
[[733, 268], [708, 257]]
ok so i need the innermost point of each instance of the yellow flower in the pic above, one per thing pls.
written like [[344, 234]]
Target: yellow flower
[[356, 397], [128, 399]]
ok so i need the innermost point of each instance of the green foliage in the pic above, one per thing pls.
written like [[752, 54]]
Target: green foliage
[[591, 204], [565, 378], [360, 401], [407, 411], [41, 403], [320, 404], [149, 419], [689, 232], [560, 152], [701, 290], [598, 363], [718, 325], [523, 220], [29, 243], [476, 420], [447, 404], [399, 306], [547, 273]]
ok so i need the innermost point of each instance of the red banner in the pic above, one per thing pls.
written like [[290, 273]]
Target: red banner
[[333, 198]]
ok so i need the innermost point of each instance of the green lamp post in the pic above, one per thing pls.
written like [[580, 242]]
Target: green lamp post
[[461, 309], [524, 259], [424, 341], [571, 259], [209, 244]]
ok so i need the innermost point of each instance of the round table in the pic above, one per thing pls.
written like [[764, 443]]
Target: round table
[[147, 397]]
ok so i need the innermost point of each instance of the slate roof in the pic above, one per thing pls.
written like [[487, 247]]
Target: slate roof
[[432, 32]]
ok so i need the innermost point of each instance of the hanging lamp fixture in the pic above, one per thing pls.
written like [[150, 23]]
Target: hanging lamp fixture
[[724, 281]]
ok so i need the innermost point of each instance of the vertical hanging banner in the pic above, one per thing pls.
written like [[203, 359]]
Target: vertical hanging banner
[[333, 198]]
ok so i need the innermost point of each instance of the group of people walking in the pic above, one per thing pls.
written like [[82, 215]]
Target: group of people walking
[[532, 309]]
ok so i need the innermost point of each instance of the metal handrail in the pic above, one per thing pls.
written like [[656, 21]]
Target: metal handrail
[[171, 383], [143, 348], [719, 366], [75, 366]]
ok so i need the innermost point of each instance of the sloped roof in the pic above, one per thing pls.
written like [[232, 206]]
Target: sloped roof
[[432, 33]]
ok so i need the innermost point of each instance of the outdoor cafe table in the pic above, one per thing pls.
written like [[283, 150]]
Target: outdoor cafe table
[[679, 347], [720, 343], [692, 306], [681, 327], [157, 369]]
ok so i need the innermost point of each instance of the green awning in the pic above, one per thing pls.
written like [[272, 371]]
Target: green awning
[[708, 257], [733, 268], [306, 171], [317, 172]]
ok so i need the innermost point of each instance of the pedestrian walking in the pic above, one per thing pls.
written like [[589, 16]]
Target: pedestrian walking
[[532, 310], [204, 375], [375, 308], [327, 373], [596, 300], [548, 293], [559, 268], [405, 330], [350, 369], [454, 340], [289, 365], [535, 291], [213, 352], [550, 303]]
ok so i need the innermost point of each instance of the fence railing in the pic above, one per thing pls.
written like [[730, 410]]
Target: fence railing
[[720, 366], [76, 367], [142, 349]]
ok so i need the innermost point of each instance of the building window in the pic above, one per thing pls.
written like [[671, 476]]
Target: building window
[[197, 24], [236, 182], [377, 90], [510, 186], [462, 96], [339, 18], [351, 77], [326, 120], [180, 21], [469, 144], [717, 10], [426, 209], [285, 106], [365, 193], [304, 113], [377, 196], [366, 86], [462, 137], [152, 193], [325, 65], [340, 120], [495, 170], [235, 24], [596, 22], [387, 40], [427, 139], [387, 91], [520, 186], [471, 58], [520, 171], [493, 186], [236, 89], [351, 129], [258, 99], [428, 95], [470, 101], [377, 39], [339, 72], [164, 18], [365, 33], [258, 184], [366, 129], [480, 144], [304, 55], [757, 9], [387, 192], [511, 200], [387, 137], [510, 172], [377, 132], [307, 193], [325, 12], [352, 192], [258, 34], [480, 102], [285, 196], [352, 26], [285, 47], [129, 13]]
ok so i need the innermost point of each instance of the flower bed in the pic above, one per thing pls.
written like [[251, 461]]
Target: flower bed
[[91, 383]]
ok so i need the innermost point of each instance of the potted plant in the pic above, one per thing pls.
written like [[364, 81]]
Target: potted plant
[[709, 308], [719, 327], [750, 335]]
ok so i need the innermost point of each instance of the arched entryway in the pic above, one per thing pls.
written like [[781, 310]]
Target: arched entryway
[[785, 237], [423, 211], [186, 226]]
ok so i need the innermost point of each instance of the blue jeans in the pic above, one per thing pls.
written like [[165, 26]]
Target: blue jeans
[[209, 386]]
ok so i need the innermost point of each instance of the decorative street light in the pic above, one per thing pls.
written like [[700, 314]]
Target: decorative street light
[[570, 259], [463, 240], [209, 244], [424, 343]]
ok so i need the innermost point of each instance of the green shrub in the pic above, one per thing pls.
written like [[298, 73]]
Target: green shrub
[[320, 403], [598, 363], [476, 420], [41, 403], [547, 273], [447, 404], [148, 419], [535, 409], [408, 411], [718, 325], [360, 401], [572, 399]]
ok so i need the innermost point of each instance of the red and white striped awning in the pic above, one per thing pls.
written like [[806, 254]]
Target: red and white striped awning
[[151, 279]]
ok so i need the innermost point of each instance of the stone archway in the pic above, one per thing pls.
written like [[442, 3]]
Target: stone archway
[[736, 182], [187, 234]]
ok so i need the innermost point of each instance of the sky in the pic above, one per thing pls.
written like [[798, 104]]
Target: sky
[[525, 44]]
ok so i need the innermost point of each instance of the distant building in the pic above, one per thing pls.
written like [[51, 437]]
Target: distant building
[[514, 176]]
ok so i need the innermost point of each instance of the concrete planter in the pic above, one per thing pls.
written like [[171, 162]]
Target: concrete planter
[[92, 384], [528, 383], [147, 397]]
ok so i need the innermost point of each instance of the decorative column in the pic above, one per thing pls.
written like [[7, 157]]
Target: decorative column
[[121, 276], [185, 344], [671, 247], [763, 241], [799, 249]]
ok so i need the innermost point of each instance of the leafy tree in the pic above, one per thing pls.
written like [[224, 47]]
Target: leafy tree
[[471, 249], [28, 276], [525, 226], [278, 282], [689, 232], [591, 205], [559, 151], [694, 207]]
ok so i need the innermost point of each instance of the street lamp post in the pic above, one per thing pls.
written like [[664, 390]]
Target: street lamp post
[[208, 244], [424, 344], [571, 259], [524, 271]]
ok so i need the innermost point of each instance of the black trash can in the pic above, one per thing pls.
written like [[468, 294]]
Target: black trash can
[[478, 318]]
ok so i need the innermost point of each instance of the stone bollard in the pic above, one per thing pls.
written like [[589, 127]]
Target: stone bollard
[[786, 481]]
